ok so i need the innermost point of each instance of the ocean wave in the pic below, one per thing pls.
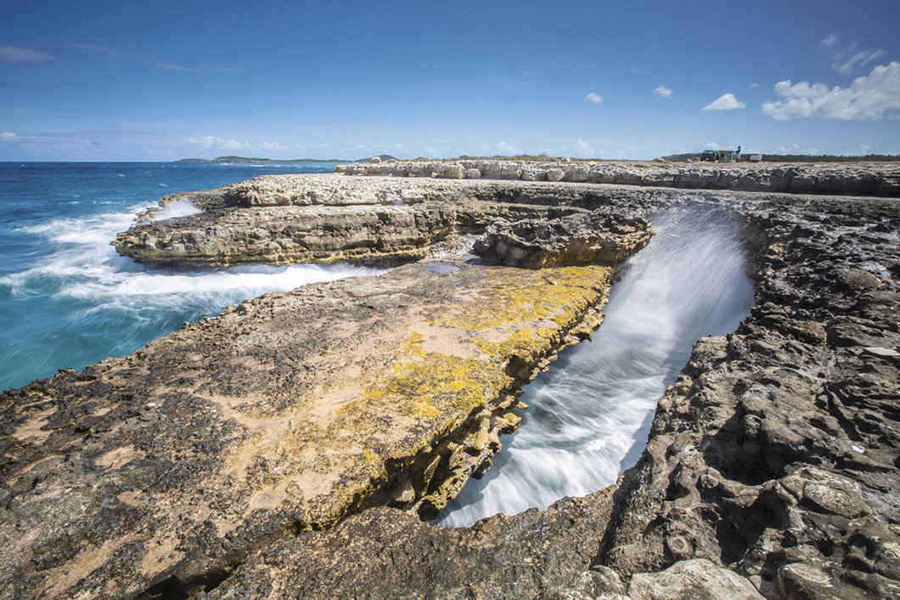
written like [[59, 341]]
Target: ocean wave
[[179, 208], [84, 266]]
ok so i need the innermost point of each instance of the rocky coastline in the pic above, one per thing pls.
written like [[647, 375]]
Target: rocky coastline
[[869, 179], [248, 456]]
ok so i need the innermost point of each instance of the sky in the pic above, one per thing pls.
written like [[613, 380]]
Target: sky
[[162, 80]]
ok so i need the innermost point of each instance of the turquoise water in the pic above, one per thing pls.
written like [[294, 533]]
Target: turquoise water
[[68, 300]]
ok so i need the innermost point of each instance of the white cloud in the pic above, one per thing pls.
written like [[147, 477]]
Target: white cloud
[[860, 59], [506, 148], [663, 91], [754, 85], [870, 97], [170, 66], [18, 54], [725, 102], [9, 136], [829, 40], [594, 97], [210, 142], [713, 146], [272, 146]]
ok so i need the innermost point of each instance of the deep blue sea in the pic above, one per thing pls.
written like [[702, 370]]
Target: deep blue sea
[[68, 300]]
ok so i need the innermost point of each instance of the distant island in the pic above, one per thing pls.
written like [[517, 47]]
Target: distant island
[[253, 159]]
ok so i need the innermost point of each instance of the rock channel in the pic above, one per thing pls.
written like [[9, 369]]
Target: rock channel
[[254, 457]]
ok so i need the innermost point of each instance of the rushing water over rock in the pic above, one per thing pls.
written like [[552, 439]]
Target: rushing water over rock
[[591, 412]]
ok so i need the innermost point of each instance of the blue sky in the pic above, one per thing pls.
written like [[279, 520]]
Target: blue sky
[[111, 80]]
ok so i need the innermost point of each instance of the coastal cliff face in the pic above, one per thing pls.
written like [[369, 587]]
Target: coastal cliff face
[[285, 219], [292, 446], [870, 179]]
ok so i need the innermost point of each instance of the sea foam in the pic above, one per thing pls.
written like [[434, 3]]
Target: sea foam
[[591, 412]]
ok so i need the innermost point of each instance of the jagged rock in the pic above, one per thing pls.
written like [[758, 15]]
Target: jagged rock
[[555, 174], [284, 219], [600, 237], [692, 580], [774, 454], [291, 234]]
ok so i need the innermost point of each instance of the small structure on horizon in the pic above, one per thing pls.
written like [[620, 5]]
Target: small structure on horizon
[[721, 155]]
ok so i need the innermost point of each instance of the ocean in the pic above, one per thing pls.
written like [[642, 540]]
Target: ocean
[[68, 300]]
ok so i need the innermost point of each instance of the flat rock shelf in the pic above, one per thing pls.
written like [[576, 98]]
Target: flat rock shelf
[[165, 467]]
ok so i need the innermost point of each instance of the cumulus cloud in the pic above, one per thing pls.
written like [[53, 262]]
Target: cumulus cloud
[[9, 136], [829, 40], [870, 97], [18, 54], [210, 142], [594, 97], [663, 91], [754, 85], [725, 102], [272, 146], [860, 59]]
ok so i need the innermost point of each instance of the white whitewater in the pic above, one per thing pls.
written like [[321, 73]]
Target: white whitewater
[[590, 413], [86, 267]]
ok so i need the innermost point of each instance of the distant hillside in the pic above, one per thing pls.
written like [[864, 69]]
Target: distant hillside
[[789, 158]]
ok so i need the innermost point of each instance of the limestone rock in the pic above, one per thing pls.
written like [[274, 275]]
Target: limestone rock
[[862, 178], [692, 580], [601, 237], [288, 412]]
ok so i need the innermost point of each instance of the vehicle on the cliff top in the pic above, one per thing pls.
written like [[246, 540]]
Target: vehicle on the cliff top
[[721, 155]]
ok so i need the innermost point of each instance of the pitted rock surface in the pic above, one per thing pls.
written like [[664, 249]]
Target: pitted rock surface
[[862, 178], [598, 237], [159, 471], [774, 455]]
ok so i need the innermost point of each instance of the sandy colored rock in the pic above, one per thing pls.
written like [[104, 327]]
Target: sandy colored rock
[[599, 237], [862, 178], [286, 413], [692, 580]]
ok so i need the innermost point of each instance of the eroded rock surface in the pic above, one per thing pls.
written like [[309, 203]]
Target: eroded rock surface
[[284, 219], [873, 179], [598, 237], [159, 471], [774, 456]]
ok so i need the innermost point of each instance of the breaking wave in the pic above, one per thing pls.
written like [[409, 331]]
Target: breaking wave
[[591, 411]]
